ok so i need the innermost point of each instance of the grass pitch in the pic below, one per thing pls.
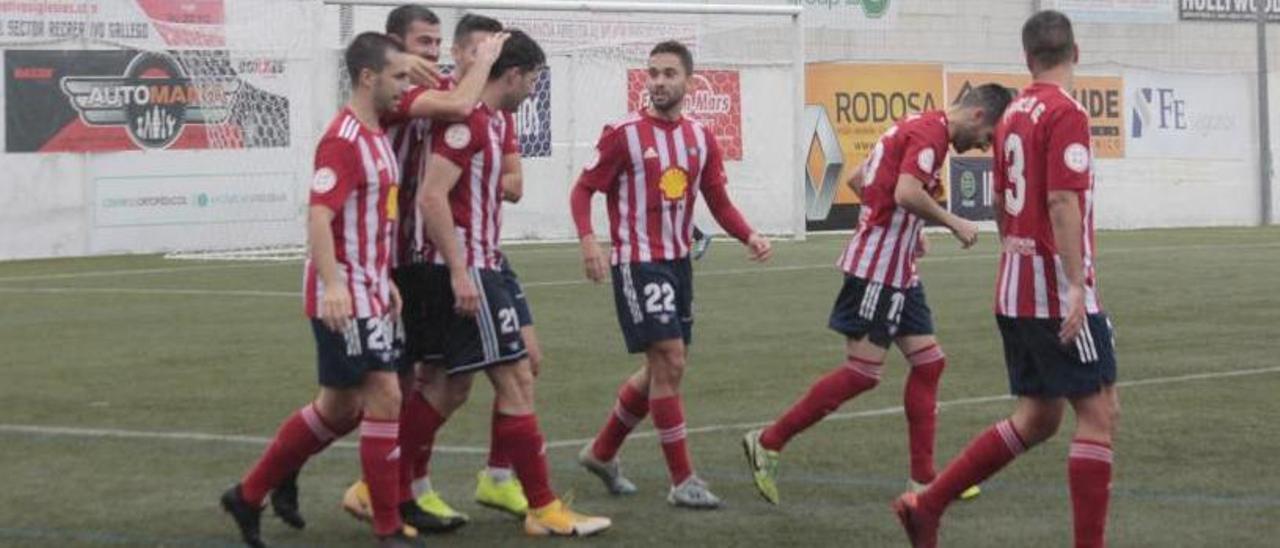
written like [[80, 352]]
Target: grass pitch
[[136, 389]]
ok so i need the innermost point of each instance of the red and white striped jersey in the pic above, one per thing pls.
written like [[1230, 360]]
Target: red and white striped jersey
[[356, 176], [1041, 144], [883, 249], [651, 170], [411, 140], [476, 145]]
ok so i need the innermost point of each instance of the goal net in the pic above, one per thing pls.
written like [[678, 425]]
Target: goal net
[[747, 88]]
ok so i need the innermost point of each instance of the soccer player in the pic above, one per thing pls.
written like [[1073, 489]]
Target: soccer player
[[476, 45], [351, 301], [1058, 343], [474, 324], [882, 300], [651, 166]]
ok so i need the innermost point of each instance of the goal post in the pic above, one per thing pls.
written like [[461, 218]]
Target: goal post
[[748, 88]]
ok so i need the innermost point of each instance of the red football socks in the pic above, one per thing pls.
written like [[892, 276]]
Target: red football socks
[[631, 408], [668, 418], [1089, 473], [419, 422], [303, 434], [496, 458], [380, 462], [825, 396], [519, 439], [920, 400], [985, 455]]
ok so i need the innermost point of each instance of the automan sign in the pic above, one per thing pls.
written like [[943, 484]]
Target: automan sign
[[153, 100]]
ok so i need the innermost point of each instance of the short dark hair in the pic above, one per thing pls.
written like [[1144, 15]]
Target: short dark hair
[[520, 51], [474, 22], [399, 20], [679, 50], [368, 51], [991, 98], [1048, 40]]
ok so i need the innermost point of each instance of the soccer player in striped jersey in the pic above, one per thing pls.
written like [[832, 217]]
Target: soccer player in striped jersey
[[651, 166], [473, 320], [477, 42], [1058, 343], [882, 300], [351, 301]]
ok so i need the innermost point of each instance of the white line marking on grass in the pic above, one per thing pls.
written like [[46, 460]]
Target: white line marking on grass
[[553, 283], [131, 272], [255, 440]]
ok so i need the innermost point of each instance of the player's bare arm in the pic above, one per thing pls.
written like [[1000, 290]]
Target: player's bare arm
[[593, 263], [433, 204], [456, 104], [911, 195], [335, 306], [512, 178], [423, 72], [1068, 224]]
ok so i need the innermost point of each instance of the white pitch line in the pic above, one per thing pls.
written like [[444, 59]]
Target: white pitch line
[[552, 283], [131, 272], [255, 440]]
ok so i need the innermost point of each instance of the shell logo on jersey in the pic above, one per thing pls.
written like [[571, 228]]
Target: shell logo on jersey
[[457, 136], [393, 201], [674, 183], [324, 180], [1076, 156]]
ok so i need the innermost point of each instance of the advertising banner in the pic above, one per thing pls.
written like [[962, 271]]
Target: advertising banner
[[1189, 116], [714, 98], [1102, 96], [132, 23], [533, 120], [971, 188], [1227, 10], [112, 100], [849, 107]]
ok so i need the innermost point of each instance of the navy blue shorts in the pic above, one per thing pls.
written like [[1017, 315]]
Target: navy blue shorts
[[1041, 366], [411, 279], [465, 344], [517, 291], [367, 345], [654, 302], [881, 312]]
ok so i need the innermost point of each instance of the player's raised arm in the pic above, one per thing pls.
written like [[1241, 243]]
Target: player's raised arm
[[457, 103], [714, 183]]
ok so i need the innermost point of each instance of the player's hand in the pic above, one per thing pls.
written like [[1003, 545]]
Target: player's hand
[[922, 245], [335, 307], [466, 296], [593, 263], [760, 248], [397, 303], [423, 72], [487, 52], [1073, 320], [966, 232]]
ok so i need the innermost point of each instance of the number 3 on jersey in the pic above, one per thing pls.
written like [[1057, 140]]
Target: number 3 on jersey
[[1015, 195]]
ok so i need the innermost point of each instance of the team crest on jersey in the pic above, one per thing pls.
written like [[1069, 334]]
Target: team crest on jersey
[[925, 161], [1076, 156], [324, 180], [457, 136], [674, 183]]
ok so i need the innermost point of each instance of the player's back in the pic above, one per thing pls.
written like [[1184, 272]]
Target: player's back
[[1041, 145]]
